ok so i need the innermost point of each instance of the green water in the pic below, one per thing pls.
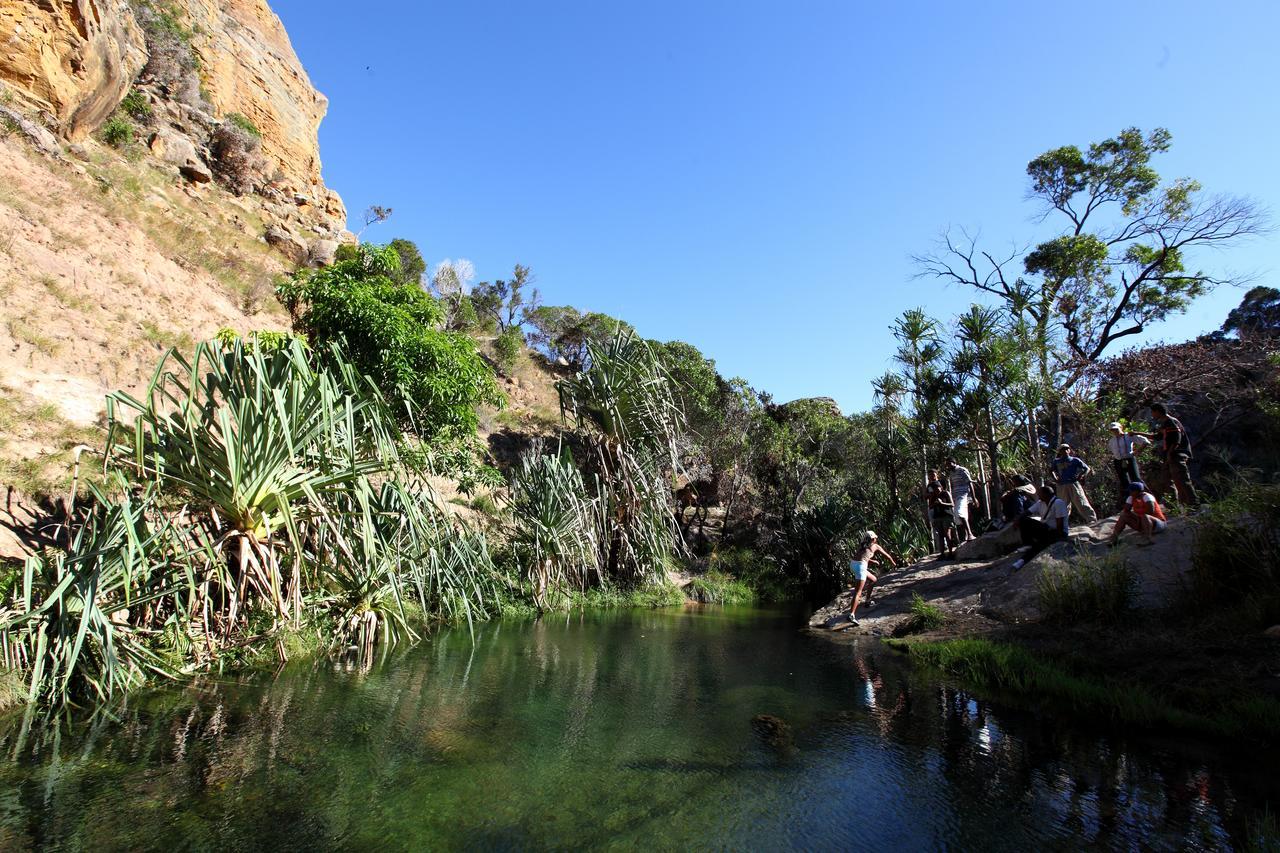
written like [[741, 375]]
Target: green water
[[612, 730]]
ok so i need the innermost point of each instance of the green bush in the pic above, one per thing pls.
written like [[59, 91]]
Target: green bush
[[244, 123], [117, 132], [1236, 555], [924, 616], [718, 588], [390, 331], [1095, 590], [764, 577], [136, 105], [507, 348]]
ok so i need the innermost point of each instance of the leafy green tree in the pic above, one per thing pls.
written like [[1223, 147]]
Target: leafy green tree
[[1257, 316], [412, 267], [507, 301], [561, 331], [1119, 261], [623, 405], [391, 332]]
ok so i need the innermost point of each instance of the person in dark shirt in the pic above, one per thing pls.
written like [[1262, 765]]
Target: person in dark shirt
[[1174, 446], [941, 515]]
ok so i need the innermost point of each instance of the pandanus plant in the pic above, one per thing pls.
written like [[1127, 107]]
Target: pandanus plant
[[258, 445], [624, 404], [557, 524]]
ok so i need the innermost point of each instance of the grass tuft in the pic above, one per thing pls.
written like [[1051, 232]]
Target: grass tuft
[[1094, 590]]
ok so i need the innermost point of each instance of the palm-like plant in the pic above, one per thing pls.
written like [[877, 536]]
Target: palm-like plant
[[255, 442], [73, 624], [623, 401], [557, 524]]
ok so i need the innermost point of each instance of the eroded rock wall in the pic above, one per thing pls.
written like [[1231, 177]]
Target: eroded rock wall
[[71, 59], [70, 62]]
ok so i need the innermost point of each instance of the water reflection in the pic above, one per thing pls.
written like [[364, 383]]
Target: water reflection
[[672, 729]]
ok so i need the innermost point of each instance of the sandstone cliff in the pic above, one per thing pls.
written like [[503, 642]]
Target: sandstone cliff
[[70, 63], [109, 253]]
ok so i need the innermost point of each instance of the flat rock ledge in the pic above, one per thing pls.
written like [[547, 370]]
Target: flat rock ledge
[[981, 586]]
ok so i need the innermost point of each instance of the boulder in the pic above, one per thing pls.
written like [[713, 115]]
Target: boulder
[[323, 252], [287, 244], [990, 546], [173, 147], [38, 136]]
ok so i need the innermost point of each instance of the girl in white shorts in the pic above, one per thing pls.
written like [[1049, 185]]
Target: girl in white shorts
[[861, 566]]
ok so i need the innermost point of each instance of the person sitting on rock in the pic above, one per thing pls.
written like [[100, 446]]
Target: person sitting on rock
[[1142, 512], [1069, 470], [868, 548], [1043, 524], [941, 516], [1017, 500]]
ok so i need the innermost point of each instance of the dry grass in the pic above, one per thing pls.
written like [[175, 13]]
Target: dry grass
[[26, 424], [27, 331]]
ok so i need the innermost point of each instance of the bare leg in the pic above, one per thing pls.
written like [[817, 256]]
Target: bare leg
[[857, 596]]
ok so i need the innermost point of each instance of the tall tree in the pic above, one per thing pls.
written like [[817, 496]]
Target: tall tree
[[1119, 261], [507, 301]]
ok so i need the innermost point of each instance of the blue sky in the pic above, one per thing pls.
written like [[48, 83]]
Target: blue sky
[[754, 177]]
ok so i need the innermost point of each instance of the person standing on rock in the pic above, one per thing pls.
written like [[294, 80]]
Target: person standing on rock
[[941, 516], [1045, 523], [1124, 446], [1142, 512], [1175, 448], [961, 494], [868, 548], [1068, 470]]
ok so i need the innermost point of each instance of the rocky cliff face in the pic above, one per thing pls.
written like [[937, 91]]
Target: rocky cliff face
[[71, 62]]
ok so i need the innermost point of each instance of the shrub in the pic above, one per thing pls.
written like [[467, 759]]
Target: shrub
[[435, 379], [764, 577], [1236, 554], [171, 62], [117, 132], [924, 616], [236, 160], [244, 123], [507, 348], [1095, 590], [719, 588], [136, 105]]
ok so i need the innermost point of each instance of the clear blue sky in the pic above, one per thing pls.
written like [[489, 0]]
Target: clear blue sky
[[754, 177]]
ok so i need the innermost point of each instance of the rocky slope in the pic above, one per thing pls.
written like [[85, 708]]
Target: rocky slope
[[109, 253], [71, 63], [983, 589]]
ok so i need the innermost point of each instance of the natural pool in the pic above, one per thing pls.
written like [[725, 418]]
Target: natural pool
[[624, 730]]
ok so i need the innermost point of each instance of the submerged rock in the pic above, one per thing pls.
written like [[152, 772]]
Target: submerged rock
[[774, 731]]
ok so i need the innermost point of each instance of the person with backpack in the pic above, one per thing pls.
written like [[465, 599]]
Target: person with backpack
[[863, 557], [1047, 521], [1017, 500], [1174, 444], [1142, 512]]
